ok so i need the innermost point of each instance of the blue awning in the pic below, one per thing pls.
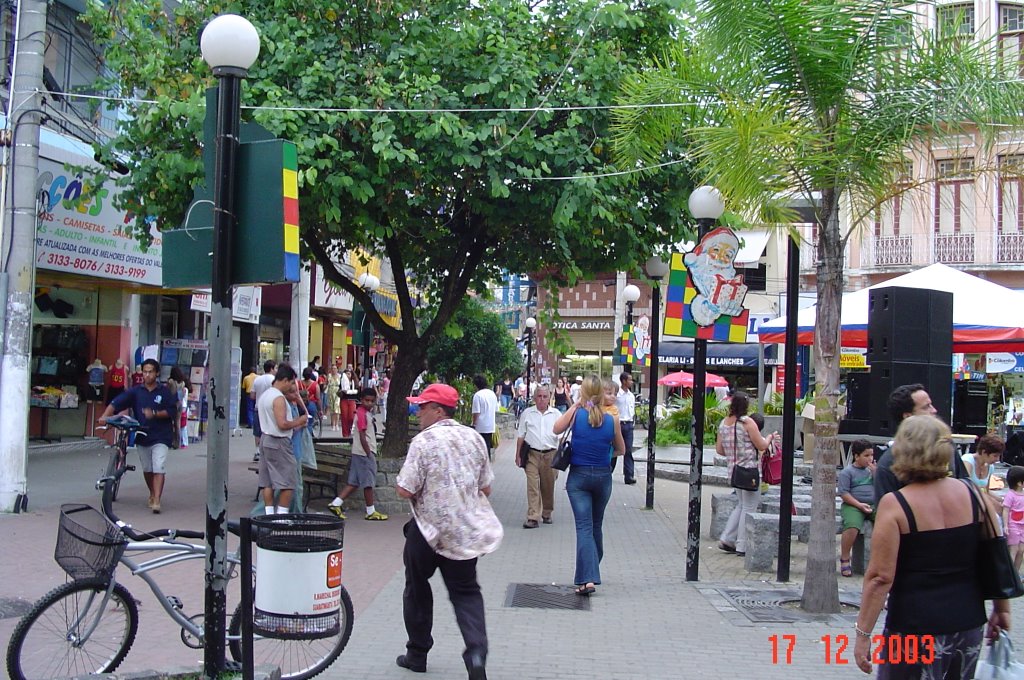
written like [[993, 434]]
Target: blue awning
[[720, 354]]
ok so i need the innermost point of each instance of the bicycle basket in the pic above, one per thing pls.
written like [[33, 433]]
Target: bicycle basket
[[88, 544]]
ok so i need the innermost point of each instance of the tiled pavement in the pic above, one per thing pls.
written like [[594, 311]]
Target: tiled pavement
[[646, 621]]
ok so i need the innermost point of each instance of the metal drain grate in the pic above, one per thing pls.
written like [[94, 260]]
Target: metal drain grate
[[13, 607], [544, 596], [775, 606]]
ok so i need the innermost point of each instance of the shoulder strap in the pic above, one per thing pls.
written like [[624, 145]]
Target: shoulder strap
[[906, 509], [975, 505]]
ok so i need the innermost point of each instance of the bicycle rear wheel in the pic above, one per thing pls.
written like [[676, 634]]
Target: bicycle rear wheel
[[45, 642], [298, 659]]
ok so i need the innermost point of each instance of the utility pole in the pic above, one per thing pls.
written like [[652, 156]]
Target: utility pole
[[17, 267]]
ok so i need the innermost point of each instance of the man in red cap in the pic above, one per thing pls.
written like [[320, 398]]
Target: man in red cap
[[447, 479]]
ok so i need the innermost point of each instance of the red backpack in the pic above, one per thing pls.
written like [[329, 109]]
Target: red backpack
[[771, 462]]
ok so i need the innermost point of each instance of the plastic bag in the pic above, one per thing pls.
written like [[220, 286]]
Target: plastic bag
[[1000, 664]]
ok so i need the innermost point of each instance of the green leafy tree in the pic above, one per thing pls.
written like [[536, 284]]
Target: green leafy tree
[[475, 342], [817, 100], [390, 160]]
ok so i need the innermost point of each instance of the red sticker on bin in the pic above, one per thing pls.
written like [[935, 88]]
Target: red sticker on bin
[[334, 569]]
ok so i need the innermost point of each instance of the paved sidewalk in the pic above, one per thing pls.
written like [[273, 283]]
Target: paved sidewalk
[[645, 621]]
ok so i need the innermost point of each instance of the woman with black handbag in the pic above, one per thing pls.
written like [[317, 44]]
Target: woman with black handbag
[[739, 441], [595, 439], [937, 554]]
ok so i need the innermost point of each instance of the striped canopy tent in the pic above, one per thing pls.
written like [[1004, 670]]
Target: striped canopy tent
[[986, 316]]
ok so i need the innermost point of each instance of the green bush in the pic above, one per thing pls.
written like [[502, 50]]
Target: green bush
[[680, 420]]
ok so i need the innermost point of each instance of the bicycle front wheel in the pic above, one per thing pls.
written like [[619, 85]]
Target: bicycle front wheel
[[48, 642], [298, 659]]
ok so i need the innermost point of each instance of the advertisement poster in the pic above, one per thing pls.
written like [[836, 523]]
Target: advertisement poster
[[88, 236]]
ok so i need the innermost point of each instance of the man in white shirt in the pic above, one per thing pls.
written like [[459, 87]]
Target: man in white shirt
[[485, 407], [574, 390], [260, 385], [626, 401], [277, 472], [537, 432]]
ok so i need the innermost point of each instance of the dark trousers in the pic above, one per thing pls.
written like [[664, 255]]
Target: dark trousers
[[418, 600], [628, 466]]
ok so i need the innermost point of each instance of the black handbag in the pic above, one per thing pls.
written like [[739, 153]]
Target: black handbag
[[563, 454], [997, 579], [524, 454], [744, 478]]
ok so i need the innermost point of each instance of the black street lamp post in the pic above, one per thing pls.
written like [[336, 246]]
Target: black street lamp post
[[230, 45], [531, 325], [706, 206], [369, 283], [656, 271], [630, 294]]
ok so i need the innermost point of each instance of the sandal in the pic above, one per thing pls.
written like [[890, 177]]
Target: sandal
[[844, 567], [585, 589]]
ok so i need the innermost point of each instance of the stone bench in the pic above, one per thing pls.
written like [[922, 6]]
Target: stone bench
[[861, 553], [763, 537]]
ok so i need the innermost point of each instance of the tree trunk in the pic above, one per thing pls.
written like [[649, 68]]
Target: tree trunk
[[821, 584], [409, 363]]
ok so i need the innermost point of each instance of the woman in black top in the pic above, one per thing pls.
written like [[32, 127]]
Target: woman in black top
[[561, 395], [923, 558], [504, 392]]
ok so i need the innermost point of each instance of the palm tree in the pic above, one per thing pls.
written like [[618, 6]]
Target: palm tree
[[818, 101]]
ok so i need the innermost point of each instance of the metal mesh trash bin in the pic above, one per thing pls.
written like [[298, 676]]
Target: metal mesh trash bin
[[298, 576]]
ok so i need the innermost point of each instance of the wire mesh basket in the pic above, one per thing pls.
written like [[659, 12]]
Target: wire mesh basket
[[88, 544]]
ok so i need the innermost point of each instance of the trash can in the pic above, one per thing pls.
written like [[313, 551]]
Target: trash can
[[298, 576]]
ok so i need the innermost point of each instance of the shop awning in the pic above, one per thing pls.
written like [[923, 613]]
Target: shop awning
[[721, 354], [752, 247]]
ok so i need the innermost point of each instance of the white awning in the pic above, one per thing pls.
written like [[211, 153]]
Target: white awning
[[752, 245]]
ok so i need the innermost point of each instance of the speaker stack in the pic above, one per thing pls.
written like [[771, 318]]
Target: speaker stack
[[910, 340]]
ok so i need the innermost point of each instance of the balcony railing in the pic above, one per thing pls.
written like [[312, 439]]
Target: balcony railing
[[1010, 248], [893, 251], [954, 248]]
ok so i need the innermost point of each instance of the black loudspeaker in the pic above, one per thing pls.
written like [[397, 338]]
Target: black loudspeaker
[[858, 395], [970, 407], [887, 376], [910, 325]]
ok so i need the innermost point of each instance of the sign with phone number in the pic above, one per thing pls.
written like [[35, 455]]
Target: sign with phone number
[[87, 236]]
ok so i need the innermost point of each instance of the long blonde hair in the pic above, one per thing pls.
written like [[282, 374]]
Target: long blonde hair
[[592, 396]]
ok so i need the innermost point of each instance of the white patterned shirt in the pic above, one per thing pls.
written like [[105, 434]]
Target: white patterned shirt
[[446, 469]]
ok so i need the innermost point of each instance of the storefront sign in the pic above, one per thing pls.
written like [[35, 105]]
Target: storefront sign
[[1004, 362], [246, 303], [583, 325], [780, 379], [88, 236], [326, 294], [754, 322], [851, 358]]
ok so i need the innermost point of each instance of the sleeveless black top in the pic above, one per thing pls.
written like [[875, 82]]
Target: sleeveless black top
[[561, 398], [935, 590]]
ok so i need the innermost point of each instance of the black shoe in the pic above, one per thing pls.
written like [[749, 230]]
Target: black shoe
[[475, 667], [405, 662], [630, 481]]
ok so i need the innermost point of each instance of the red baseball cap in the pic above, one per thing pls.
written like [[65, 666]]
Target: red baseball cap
[[438, 393]]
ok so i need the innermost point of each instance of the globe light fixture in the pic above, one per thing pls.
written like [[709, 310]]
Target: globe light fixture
[[230, 41], [706, 203]]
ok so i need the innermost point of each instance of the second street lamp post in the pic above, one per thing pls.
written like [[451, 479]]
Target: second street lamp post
[[656, 271], [230, 45], [630, 294], [369, 283], [531, 324], [706, 206]]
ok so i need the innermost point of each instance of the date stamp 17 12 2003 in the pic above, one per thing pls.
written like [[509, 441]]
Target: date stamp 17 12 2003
[[885, 649]]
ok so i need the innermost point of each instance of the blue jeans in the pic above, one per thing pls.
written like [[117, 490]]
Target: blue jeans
[[506, 401], [589, 489]]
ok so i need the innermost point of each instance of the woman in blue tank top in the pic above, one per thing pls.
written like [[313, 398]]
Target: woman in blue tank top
[[595, 437], [923, 552]]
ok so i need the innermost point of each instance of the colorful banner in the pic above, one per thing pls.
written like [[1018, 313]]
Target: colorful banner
[[704, 298], [634, 346]]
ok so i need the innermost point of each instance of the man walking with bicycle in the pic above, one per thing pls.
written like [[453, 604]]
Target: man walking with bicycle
[[156, 408]]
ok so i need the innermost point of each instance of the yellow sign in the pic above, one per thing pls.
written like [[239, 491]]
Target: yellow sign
[[853, 361]]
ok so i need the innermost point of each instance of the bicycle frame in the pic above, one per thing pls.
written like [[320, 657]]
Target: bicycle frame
[[180, 552]]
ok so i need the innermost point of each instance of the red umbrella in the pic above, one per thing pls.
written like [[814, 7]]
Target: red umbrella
[[684, 379]]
